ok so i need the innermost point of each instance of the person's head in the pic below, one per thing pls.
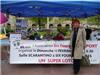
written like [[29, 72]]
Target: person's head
[[8, 24], [59, 25], [33, 25], [50, 25], [75, 23]]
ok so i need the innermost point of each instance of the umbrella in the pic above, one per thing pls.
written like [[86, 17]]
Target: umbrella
[[79, 9], [3, 18]]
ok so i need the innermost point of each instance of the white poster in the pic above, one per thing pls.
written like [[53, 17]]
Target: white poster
[[93, 51], [15, 37], [18, 25], [21, 27], [49, 52], [14, 40]]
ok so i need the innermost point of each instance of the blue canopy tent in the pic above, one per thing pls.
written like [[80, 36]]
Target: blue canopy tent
[[49, 8]]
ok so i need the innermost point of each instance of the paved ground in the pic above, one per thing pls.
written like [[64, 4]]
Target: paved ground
[[8, 69]]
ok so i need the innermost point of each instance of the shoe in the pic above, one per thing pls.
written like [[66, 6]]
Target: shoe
[[75, 73]]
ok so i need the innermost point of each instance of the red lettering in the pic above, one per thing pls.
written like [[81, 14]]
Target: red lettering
[[65, 46], [55, 45], [91, 45], [54, 60]]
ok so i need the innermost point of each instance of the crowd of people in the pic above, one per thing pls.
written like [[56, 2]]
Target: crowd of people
[[91, 34], [60, 34], [47, 36]]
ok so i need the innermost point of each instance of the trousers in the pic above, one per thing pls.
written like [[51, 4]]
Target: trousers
[[76, 65]]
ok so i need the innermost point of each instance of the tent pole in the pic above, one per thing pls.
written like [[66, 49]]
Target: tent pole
[[39, 22], [47, 23], [4, 30]]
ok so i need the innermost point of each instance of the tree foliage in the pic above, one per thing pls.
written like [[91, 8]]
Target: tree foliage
[[94, 20]]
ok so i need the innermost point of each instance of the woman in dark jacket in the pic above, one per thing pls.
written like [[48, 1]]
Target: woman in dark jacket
[[36, 36]]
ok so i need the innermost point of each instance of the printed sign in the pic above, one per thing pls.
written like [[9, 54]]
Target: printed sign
[[15, 37], [49, 52], [21, 27]]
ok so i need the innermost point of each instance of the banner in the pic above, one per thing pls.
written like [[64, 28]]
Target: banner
[[93, 51], [14, 37], [49, 52], [21, 27]]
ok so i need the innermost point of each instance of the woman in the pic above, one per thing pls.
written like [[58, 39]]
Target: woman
[[59, 36], [78, 41]]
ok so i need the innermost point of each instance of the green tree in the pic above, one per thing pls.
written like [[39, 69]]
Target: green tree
[[94, 20]]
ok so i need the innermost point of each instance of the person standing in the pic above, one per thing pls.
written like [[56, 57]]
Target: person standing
[[48, 35], [88, 33], [78, 41], [59, 36]]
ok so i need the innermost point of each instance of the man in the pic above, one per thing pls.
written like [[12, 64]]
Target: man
[[48, 35], [78, 41], [88, 33], [59, 36]]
